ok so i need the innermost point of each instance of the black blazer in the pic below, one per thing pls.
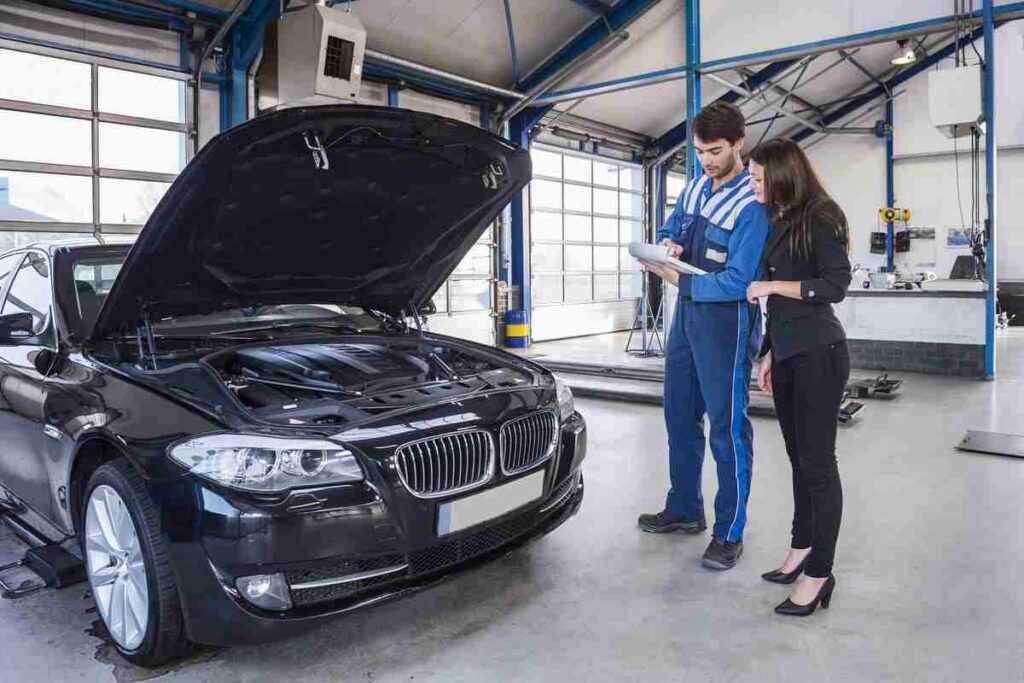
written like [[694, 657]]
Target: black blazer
[[796, 326]]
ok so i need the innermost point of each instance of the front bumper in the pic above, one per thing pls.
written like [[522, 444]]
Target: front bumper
[[207, 566]]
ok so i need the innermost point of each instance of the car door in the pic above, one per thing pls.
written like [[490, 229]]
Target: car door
[[23, 468]]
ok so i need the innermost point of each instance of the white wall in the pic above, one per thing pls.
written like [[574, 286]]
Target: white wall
[[853, 170]]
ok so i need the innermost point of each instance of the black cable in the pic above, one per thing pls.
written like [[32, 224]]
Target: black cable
[[959, 198]]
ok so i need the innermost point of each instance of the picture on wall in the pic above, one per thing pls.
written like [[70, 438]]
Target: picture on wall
[[921, 233], [958, 238]]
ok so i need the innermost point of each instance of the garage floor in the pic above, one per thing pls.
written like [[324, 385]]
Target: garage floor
[[927, 576]]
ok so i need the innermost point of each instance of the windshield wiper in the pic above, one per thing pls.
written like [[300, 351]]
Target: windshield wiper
[[290, 325]]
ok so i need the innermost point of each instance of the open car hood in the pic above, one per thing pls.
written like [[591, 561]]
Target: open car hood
[[366, 206]]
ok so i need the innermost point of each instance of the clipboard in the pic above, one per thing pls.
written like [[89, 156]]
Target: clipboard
[[657, 253]]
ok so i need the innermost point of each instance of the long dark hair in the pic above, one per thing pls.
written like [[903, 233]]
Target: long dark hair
[[792, 192]]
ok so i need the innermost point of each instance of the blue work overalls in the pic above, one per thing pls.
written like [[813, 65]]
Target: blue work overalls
[[713, 339]]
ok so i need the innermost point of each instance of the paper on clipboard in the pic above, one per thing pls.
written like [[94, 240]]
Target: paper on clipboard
[[657, 253]]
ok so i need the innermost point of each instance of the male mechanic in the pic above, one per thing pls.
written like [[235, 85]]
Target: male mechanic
[[720, 227]]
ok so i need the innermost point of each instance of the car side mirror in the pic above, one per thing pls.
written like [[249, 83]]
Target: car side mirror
[[15, 327], [428, 308]]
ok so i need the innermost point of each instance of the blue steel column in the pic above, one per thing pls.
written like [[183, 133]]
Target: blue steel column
[[693, 94], [890, 187], [519, 134], [991, 273]]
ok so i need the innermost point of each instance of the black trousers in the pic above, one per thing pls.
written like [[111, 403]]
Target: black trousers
[[808, 390]]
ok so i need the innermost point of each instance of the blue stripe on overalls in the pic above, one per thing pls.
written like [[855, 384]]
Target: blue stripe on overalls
[[708, 361]]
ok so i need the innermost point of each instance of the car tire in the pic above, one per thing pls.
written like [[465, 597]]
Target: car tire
[[126, 577]]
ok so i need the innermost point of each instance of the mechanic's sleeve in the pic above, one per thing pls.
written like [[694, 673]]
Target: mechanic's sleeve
[[671, 228], [745, 245]]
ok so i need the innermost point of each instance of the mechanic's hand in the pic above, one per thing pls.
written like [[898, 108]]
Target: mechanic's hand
[[662, 271], [764, 374], [675, 250], [758, 289]]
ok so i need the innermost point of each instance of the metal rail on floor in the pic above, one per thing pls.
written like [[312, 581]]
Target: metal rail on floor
[[643, 385]]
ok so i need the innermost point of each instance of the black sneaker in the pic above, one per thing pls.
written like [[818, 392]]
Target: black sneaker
[[722, 554], [663, 523]]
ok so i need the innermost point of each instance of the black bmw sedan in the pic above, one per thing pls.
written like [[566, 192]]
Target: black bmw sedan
[[239, 415]]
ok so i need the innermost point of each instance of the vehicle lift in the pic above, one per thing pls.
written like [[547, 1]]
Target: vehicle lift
[[602, 381], [45, 564]]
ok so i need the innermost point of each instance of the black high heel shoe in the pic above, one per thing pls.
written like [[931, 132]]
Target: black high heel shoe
[[777, 576], [824, 597]]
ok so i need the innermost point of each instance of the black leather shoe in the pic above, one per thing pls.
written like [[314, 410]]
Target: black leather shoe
[[777, 576], [663, 523], [722, 554], [791, 609]]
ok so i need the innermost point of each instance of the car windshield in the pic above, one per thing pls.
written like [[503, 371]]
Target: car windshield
[[94, 276]]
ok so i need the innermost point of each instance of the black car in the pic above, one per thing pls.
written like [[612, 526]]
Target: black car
[[239, 415]]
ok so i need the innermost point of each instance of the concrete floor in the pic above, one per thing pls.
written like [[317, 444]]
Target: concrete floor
[[927, 586]]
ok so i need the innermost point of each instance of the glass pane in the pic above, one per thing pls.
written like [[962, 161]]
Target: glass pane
[[470, 295], [577, 198], [440, 299], [13, 240], [606, 287], [141, 149], [631, 231], [631, 205], [547, 289], [630, 285], [578, 288], [7, 266], [631, 179], [45, 197], [476, 262], [606, 174], [577, 257], [546, 226], [627, 262], [577, 169], [546, 257], [99, 277], [546, 163], [128, 202], [606, 258], [546, 194], [605, 230], [577, 228], [46, 80], [674, 185], [46, 139], [30, 292], [606, 201], [149, 97]]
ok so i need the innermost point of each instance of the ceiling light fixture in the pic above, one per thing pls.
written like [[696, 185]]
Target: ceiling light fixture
[[905, 54]]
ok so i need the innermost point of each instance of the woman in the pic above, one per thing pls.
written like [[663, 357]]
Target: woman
[[805, 363]]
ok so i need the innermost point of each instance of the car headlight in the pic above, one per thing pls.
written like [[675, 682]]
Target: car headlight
[[266, 464], [566, 404]]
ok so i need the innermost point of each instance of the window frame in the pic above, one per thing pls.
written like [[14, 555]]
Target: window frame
[[563, 243], [95, 116]]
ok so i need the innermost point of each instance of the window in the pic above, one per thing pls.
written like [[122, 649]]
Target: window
[[584, 210], [30, 292], [93, 279], [106, 149], [7, 266]]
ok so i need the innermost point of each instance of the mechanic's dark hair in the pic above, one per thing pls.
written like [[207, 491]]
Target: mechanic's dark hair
[[793, 192], [720, 121]]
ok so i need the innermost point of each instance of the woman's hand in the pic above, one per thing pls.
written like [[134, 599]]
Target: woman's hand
[[764, 374], [758, 289], [662, 271]]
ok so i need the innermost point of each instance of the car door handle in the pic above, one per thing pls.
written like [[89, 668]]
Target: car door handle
[[53, 432]]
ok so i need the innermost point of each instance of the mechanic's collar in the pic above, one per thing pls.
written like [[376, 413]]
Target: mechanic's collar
[[741, 177]]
